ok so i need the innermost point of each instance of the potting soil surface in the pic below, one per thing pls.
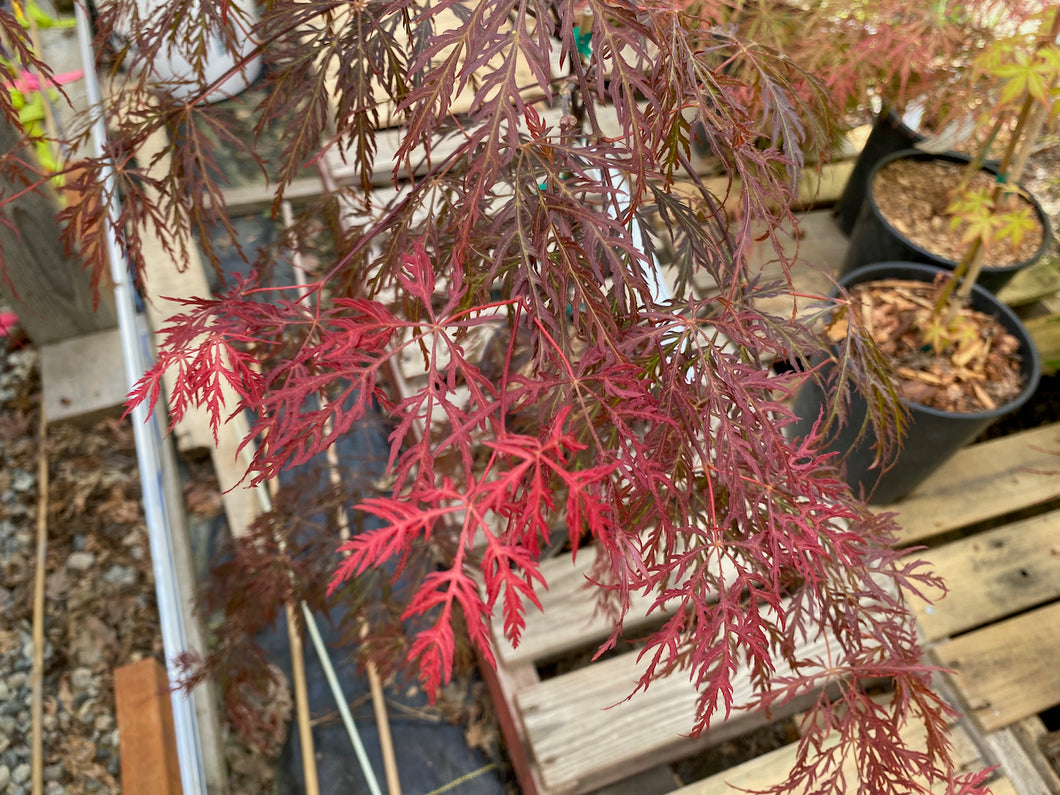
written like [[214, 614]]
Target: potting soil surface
[[915, 195]]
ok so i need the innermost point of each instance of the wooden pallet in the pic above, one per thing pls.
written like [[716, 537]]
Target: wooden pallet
[[997, 508], [566, 737], [576, 732]]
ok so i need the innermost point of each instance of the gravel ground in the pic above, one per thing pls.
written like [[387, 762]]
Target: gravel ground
[[100, 608], [100, 613]]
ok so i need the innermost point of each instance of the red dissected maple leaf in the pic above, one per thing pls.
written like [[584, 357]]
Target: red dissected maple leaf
[[650, 425], [504, 514]]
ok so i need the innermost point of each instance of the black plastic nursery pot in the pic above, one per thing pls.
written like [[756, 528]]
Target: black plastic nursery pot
[[889, 135], [874, 238], [933, 435]]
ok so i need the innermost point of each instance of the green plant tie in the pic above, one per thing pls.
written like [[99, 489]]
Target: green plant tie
[[1001, 179], [583, 41]]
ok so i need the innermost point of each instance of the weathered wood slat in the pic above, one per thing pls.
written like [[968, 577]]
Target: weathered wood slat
[[568, 618], [1039, 281], [80, 377], [1045, 331], [819, 246], [994, 574], [259, 196], [769, 769], [1008, 671], [584, 735], [983, 482], [1013, 748]]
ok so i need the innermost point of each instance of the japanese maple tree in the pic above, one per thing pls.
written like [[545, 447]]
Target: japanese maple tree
[[539, 268]]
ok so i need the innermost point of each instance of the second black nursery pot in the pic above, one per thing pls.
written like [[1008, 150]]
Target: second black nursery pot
[[889, 135], [874, 238]]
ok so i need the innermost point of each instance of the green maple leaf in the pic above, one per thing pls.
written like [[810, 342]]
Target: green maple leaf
[[1024, 74], [982, 225], [1015, 224], [935, 333], [962, 332], [970, 202], [1050, 60]]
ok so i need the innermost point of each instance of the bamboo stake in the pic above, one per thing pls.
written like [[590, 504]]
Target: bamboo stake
[[37, 675], [301, 700], [386, 742], [301, 689]]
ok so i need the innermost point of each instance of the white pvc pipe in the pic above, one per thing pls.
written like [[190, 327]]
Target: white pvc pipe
[[148, 438]]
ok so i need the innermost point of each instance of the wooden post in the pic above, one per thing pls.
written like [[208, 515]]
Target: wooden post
[[149, 764], [52, 295]]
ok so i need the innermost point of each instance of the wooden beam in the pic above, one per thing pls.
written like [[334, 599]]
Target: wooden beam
[[165, 278], [992, 575], [149, 764], [982, 482], [1008, 671], [82, 377], [248, 199], [504, 685], [1023, 764]]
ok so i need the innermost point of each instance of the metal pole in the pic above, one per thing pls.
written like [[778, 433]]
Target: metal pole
[[148, 437]]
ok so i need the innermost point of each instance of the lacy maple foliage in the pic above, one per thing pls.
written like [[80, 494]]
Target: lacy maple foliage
[[649, 425]]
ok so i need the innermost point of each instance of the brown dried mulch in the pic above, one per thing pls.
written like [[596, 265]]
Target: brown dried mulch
[[978, 370]]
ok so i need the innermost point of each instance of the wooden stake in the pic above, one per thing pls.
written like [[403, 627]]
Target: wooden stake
[[301, 700], [301, 690], [37, 675], [386, 742]]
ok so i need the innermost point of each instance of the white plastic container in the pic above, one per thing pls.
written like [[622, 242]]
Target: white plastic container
[[172, 67]]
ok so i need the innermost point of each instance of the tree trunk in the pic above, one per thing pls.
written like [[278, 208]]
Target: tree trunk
[[52, 293]]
